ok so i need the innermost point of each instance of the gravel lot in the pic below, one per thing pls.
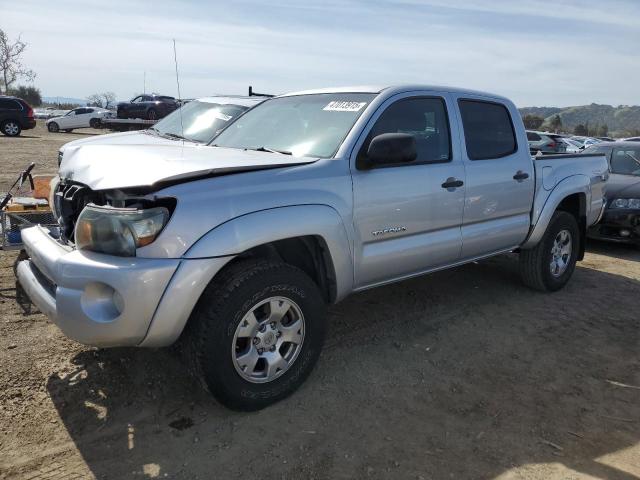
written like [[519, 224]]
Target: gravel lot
[[461, 374]]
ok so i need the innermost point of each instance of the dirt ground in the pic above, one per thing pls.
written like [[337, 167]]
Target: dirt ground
[[463, 374]]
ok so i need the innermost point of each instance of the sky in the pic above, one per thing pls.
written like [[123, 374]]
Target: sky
[[538, 53]]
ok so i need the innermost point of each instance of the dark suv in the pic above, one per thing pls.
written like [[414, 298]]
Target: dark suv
[[15, 115], [149, 107]]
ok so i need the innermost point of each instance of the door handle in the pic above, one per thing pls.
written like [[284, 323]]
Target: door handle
[[520, 176], [452, 182]]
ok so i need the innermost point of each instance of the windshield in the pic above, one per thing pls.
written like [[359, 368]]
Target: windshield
[[626, 161], [201, 120], [303, 125]]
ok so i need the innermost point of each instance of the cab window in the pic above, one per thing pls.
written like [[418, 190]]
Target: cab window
[[423, 118]]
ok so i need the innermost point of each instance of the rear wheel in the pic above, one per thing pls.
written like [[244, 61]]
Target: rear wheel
[[11, 128], [94, 123], [256, 333], [151, 114], [53, 127], [549, 266]]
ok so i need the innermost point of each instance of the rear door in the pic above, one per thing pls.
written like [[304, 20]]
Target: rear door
[[406, 221], [500, 177]]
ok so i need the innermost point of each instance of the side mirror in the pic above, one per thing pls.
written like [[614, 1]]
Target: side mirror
[[391, 148]]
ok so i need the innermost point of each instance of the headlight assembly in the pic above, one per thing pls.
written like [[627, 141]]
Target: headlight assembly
[[633, 203], [118, 231]]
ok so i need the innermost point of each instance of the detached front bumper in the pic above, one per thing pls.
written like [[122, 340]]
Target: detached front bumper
[[618, 225], [95, 299]]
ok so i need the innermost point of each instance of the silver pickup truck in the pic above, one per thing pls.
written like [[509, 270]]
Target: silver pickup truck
[[235, 247]]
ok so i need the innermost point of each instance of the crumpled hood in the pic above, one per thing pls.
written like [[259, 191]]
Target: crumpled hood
[[102, 167], [138, 137]]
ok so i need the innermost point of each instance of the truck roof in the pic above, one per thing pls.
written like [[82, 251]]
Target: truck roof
[[393, 89]]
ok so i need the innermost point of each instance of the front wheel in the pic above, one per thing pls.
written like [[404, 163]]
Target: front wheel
[[53, 127], [11, 128], [151, 114], [256, 333], [550, 264]]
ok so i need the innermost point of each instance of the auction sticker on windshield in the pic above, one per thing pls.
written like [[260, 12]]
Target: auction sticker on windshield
[[344, 106]]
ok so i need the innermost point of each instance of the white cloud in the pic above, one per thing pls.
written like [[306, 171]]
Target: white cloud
[[79, 48]]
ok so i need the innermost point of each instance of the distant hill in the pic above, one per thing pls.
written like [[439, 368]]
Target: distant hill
[[75, 101], [622, 120]]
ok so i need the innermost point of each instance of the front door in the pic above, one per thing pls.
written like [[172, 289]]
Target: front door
[[407, 217], [500, 178]]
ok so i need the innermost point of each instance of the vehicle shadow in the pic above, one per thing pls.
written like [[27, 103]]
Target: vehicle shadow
[[616, 250], [21, 136], [461, 374]]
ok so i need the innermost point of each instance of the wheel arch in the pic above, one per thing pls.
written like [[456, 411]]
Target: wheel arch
[[311, 237], [572, 195]]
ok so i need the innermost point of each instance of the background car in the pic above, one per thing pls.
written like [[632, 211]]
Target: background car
[[197, 121], [149, 107], [572, 146], [585, 142], [621, 219], [632, 139], [548, 143], [15, 115], [83, 117]]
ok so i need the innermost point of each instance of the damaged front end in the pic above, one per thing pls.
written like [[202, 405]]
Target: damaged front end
[[136, 215]]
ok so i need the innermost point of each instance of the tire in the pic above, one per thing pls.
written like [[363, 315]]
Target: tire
[[53, 127], [215, 338], [536, 264], [11, 128], [152, 114], [94, 123]]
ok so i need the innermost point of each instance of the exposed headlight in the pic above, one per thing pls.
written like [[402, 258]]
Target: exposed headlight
[[633, 203], [118, 231]]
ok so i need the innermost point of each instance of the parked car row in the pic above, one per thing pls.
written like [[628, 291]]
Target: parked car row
[[554, 143]]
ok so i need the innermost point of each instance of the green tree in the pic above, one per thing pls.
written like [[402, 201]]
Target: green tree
[[580, 130], [11, 67], [31, 95], [603, 130], [532, 122], [556, 123]]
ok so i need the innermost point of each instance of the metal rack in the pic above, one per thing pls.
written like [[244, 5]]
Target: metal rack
[[12, 223]]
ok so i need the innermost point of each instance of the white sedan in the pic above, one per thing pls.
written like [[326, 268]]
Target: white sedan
[[83, 117]]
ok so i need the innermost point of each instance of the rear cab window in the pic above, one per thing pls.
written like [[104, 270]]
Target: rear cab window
[[488, 129]]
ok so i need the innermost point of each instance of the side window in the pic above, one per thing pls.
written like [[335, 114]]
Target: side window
[[88, 110], [488, 130], [9, 104], [137, 99], [424, 118], [534, 137]]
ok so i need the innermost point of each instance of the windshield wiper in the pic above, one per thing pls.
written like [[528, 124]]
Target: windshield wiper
[[270, 150]]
